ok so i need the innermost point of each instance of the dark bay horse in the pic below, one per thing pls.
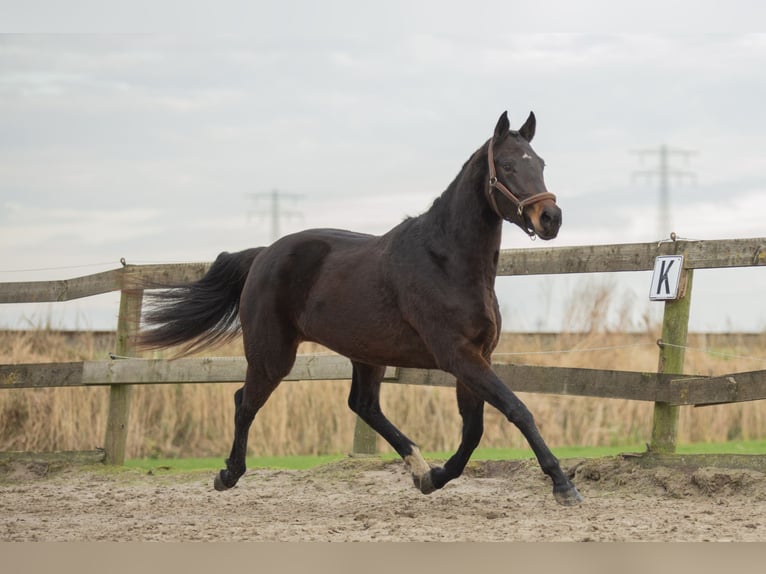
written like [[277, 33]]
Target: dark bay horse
[[421, 296]]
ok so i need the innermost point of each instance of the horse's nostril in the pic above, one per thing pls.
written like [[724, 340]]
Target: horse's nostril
[[550, 217]]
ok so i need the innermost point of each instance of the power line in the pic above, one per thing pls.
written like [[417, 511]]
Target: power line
[[276, 211], [664, 172]]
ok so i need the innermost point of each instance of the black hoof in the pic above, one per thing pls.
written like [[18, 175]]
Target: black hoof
[[220, 483], [424, 482], [568, 496]]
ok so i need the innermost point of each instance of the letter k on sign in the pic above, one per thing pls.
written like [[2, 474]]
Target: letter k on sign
[[666, 277]]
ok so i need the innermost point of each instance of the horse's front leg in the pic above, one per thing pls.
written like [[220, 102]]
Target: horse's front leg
[[475, 373]]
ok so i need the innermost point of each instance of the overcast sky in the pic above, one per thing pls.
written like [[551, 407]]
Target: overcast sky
[[153, 146]]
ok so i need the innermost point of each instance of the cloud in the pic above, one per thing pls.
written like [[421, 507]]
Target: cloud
[[147, 146], [727, 218], [29, 228]]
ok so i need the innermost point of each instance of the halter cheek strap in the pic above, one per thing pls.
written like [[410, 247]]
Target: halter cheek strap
[[496, 184]]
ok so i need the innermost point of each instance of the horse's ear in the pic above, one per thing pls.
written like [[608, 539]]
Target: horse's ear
[[503, 125], [527, 131]]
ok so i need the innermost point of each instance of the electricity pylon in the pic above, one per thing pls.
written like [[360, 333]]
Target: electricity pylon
[[664, 172], [277, 212]]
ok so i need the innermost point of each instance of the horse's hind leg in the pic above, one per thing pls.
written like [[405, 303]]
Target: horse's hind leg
[[248, 400], [364, 400], [471, 410]]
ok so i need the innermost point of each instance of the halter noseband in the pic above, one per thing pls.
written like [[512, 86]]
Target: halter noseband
[[496, 184]]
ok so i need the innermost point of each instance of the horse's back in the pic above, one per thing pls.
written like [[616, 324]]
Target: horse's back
[[286, 273], [333, 287], [304, 253]]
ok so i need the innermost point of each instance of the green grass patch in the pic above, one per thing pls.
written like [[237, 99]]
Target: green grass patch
[[301, 462], [298, 462], [731, 447], [523, 453]]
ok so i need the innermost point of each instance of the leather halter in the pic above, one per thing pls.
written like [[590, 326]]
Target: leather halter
[[496, 184]]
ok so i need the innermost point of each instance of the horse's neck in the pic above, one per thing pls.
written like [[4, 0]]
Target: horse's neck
[[462, 223]]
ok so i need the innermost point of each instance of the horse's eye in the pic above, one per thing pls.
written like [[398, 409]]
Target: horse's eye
[[508, 166]]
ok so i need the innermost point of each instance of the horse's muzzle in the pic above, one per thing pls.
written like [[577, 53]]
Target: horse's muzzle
[[546, 219]]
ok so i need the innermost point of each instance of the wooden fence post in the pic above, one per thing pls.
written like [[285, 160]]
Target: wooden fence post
[[119, 395], [675, 327], [365, 439]]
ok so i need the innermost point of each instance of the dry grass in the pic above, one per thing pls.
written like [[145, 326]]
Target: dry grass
[[312, 417]]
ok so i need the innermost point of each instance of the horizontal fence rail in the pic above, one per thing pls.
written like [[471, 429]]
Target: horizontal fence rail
[[668, 388], [718, 254], [601, 383], [129, 277], [724, 253]]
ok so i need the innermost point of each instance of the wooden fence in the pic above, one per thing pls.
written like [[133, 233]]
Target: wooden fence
[[668, 388]]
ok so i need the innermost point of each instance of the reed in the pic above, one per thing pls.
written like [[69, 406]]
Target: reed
[[312, 417]]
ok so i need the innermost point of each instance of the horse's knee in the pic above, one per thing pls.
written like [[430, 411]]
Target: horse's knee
[[521, 416]]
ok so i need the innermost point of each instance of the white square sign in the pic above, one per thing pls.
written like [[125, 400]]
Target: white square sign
[[666, 277]]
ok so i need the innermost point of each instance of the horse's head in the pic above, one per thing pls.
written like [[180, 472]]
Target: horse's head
[[516, 190]]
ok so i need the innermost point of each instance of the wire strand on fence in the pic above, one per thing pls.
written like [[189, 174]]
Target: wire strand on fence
[[111, 264], [574, 350], [114, 356], [59, 268], [717, 353], [615, 347]]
